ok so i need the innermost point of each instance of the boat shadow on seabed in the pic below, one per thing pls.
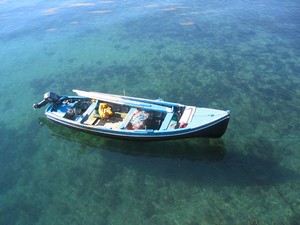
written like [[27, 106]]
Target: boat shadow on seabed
[[190, 149], [213, 165]]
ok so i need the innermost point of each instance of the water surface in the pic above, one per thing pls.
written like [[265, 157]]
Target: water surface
[[237, 55]]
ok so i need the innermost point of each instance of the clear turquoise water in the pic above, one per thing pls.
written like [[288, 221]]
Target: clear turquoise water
[[238, 55]]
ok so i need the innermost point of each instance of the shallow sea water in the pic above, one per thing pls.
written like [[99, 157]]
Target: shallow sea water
[[237, 55]]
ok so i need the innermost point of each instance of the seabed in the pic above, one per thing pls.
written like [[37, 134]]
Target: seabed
[[240, 55]]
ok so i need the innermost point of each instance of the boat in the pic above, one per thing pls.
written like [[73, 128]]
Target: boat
[[131, 118]]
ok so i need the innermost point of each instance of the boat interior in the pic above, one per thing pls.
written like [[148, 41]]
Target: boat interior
[[115, 116]]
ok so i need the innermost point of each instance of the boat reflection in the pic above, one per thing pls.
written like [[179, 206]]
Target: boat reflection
[[189, 149]]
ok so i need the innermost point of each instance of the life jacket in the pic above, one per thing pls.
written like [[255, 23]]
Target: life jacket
[[104, 111]]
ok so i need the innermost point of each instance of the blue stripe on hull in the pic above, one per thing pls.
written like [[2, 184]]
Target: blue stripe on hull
[[214, 130]]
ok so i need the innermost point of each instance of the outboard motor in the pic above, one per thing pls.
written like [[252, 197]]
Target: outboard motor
[[49, 97]]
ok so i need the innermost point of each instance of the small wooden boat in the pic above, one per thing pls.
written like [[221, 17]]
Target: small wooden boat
[[131, 118]]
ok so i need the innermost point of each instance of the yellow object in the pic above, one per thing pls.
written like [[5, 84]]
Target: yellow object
[[104, 111]]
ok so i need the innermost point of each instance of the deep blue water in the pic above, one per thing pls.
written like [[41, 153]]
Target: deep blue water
[[237, 55]]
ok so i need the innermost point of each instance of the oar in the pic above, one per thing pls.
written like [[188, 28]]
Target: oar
[[120, 100]]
